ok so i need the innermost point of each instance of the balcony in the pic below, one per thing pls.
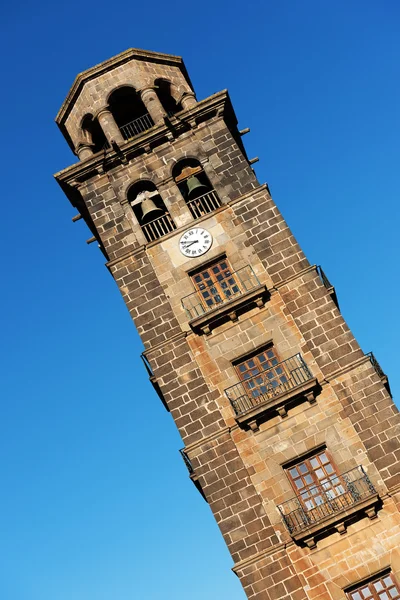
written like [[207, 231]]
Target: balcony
[[381, 374], [154, 381], [153, 230], [317, 511], [204, 204], [224, 299], [192, 474], [137, 126], [330, 288], [272, 390]]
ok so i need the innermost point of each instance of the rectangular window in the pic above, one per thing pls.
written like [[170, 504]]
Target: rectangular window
[[262, 373], [316, 480], [383, 587], [216, 283]]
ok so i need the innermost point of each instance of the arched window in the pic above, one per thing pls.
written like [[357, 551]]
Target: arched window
[[167, 96], [129, 112], [93, 133], [195, 187], [150, 210]]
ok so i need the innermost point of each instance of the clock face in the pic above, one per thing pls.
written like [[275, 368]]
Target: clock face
[[195, 242]]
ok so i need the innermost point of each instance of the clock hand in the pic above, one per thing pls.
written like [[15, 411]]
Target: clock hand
[[186, 245]]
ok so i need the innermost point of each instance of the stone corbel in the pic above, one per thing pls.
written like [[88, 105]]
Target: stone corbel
[[371, 513], [310, 397], [341, 528], [260, 302], [310, 543], [233, 316], [75, 184], [254, 426], [206, 330], [282, 412]]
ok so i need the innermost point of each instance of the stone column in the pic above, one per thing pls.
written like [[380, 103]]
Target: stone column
[[175, 203], [188, 100], [109, 126], [153, 104], [84, 150]]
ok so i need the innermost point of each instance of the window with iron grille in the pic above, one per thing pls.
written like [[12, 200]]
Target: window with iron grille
[[216, 283], [381, 587], [262, 372], [315, 480]]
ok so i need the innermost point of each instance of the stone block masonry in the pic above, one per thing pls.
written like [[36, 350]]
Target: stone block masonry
[[243, 471]]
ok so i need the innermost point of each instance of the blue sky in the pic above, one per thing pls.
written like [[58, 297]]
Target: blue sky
[[95, 500]]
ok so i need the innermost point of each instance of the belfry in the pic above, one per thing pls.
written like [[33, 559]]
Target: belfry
[[289, 429]]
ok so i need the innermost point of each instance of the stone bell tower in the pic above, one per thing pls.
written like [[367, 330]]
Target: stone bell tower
[[289, 429]]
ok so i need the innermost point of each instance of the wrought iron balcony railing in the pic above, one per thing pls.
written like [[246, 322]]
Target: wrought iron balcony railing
[[158, 227], [192, 473], [379, 371], [319, 503], [266, 385], [133, 128], [215, 294], [204, 204], [324, 278], [376, 365], [187, 461], [330, 288], [154, 381]]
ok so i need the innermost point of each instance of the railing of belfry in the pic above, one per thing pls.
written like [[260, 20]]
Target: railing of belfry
[[204, 204], [158, 227], [187, 461], [129, 130]]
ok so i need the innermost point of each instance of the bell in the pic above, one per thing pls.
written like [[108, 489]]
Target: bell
[[149, 210], [195, 188]]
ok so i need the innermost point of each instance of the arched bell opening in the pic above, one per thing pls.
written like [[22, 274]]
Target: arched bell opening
[[93, 134], [150, 210], [195, 187], [129, 112], [167, 96]]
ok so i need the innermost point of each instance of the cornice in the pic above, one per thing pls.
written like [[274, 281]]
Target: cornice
[[343, 370], [158, 133], [281, 546]]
